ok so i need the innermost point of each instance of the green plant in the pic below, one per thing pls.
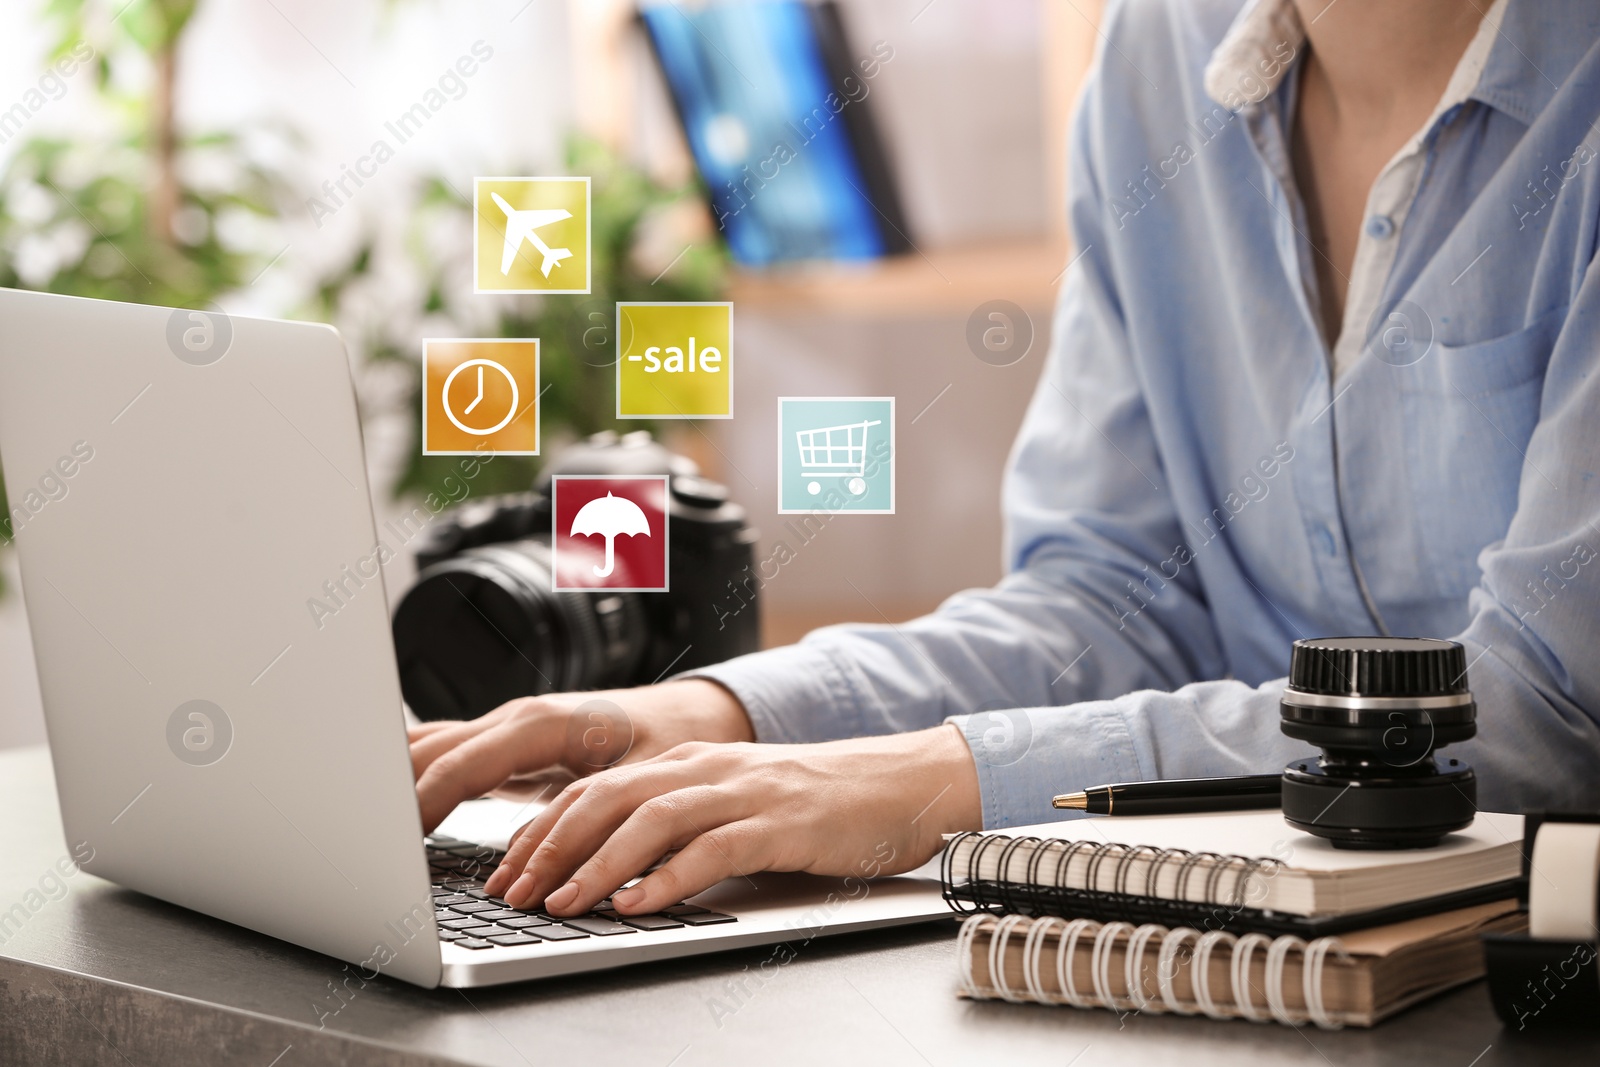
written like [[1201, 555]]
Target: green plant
[[153, 215], [144, 214]]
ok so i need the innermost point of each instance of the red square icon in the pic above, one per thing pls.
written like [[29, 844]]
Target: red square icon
[[610, 532]]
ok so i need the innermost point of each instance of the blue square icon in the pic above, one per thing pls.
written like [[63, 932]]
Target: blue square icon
[[836, 453]]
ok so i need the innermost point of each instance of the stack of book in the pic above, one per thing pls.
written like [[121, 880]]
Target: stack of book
[[1231, 915]]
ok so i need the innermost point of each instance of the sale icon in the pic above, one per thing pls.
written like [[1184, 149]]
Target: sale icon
[[674, 361]]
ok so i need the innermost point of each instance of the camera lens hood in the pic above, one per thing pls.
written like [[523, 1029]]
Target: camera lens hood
[[1378, 707]]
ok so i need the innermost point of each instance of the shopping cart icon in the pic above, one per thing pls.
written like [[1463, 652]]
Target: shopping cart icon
[[835, 452]]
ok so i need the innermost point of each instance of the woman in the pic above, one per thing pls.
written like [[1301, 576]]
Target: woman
[[1324, 365]]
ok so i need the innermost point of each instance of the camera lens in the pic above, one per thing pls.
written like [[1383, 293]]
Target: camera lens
[[484, 627], [1378, 707]]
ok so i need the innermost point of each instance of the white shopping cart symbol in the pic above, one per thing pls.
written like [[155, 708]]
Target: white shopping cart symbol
[[835, 452]]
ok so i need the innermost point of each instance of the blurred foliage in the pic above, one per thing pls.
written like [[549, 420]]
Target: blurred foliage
[[154, 26], [77, 221], [131, 211], [577, 351], [138, 211]]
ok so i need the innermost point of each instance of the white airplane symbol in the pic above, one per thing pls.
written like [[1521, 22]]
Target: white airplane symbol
[[519, 228]]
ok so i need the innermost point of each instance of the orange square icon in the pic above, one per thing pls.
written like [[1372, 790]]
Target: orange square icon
[[480, 395]]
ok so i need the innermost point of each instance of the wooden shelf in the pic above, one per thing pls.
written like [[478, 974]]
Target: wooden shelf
[[934, 281]]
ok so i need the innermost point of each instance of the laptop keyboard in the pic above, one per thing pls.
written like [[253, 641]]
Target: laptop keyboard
[[469, 917]]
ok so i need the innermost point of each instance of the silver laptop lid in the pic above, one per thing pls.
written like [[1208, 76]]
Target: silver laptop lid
[[181, 486]]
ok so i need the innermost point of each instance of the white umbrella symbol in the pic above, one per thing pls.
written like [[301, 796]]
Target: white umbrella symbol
[[609, 517]]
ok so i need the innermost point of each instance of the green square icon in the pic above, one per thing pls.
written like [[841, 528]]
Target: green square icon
[[674, 361], [836, 454]]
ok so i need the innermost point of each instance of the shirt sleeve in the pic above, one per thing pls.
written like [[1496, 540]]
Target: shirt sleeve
[[1070, 673], [1076, 619], [1534, 625]]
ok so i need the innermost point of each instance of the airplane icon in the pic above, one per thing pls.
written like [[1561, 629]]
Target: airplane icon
[[520, 227]]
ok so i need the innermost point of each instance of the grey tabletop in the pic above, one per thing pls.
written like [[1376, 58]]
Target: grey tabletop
[[96, 974]]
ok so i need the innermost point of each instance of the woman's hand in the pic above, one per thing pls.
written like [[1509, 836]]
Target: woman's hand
[[581, 732], [876, 805]]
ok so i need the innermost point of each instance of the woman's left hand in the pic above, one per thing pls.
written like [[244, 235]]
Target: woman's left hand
[[866, 806]]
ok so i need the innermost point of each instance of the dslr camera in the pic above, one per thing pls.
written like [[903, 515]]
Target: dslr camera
[[482, 625]]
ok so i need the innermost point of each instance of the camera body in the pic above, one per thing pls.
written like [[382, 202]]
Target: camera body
[[482, 625]]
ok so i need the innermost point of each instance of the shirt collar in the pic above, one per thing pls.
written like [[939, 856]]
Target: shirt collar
[[1267, 36], [1537, 45]]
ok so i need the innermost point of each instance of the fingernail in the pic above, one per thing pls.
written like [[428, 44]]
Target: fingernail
[[627, 898], [519, 892], [497, 880], [563, 897]]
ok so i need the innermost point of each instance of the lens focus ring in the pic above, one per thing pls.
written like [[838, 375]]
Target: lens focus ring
[[1381, 667]]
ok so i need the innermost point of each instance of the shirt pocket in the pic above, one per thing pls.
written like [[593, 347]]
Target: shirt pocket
[[1469, 411], [1486, 367]]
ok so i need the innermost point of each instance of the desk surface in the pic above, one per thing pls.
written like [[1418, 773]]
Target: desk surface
[[104, 975]]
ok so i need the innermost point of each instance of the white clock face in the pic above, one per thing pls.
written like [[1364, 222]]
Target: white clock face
[[479, 408]]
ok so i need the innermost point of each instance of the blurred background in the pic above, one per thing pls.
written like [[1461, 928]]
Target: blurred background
[[224, 153]]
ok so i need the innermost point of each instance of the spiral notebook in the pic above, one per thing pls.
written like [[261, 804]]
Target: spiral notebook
[[1355, 980], [1243, 871]]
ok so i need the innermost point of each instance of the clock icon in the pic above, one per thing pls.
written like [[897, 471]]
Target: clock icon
[[481, 366]]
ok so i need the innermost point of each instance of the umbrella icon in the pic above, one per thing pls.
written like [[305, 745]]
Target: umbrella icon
[[609, 517]]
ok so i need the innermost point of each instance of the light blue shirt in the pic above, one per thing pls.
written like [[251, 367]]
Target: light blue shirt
[[1193, 488]]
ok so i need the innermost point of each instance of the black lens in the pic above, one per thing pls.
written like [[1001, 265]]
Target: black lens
[[485, 627], [1378, 707]]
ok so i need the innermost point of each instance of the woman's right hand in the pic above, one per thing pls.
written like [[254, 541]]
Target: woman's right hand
[[581, 732]]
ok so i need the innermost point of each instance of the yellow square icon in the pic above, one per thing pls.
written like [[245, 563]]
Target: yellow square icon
[[531, 235], [480, 395], [674, 361]]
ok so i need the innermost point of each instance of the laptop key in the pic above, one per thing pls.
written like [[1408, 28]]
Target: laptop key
[[478, 894], [462, 923], [522, 922], [474, 942], [452, 899], [451, 935], [514, 939], [500, 913], [592, 924], [706, 918], [651, 922], [472, 907], [685, 909], [555, 933]]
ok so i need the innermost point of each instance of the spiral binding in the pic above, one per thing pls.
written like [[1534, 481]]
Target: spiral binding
[[1044, 888], [1100, 940]]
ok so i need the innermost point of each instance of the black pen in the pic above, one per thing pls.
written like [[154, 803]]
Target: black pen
[[1176, 796]]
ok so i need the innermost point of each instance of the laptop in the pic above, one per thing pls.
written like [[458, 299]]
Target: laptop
[[181, 483]]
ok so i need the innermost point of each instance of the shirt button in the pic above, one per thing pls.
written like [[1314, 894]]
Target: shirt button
[[1325, 539], [1380, 226]]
